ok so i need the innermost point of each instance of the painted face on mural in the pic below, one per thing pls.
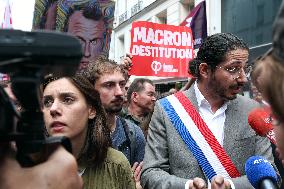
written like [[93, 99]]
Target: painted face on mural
[[51, 17], [91, 34]]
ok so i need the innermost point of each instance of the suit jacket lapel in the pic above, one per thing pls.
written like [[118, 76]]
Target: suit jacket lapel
[[232, 119]]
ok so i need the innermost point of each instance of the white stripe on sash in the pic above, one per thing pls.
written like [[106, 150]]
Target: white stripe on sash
[[198, 137]]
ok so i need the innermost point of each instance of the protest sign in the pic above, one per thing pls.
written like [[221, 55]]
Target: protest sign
[[160, 49]]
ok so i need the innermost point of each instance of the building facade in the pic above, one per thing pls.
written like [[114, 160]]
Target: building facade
[[249, 19]]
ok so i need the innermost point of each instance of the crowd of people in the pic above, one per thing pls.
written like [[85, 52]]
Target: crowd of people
[[123, 137]]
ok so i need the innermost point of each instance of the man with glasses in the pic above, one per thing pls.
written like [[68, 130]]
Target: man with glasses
[[203, 132]]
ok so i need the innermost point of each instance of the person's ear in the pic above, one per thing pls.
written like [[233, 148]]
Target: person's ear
[[134, 96], [204, 70], [92, 113]]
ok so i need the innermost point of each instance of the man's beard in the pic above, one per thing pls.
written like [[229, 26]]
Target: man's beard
[[220, 90], [113, 109], [147, 108], [115, 106]]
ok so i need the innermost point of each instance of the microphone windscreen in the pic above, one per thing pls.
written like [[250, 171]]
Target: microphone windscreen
[[257, 169], [260, 120]]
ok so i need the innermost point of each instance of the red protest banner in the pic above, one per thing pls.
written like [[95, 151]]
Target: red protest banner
[[160, 49]]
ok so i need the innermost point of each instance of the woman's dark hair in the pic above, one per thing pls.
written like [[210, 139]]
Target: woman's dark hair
[[214, 49], [98, 133], [271, 70]]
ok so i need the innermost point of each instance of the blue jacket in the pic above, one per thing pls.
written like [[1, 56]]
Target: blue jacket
[[129, 139]]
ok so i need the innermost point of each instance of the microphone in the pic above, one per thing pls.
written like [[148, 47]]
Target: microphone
[[261, 173], [260, 121]]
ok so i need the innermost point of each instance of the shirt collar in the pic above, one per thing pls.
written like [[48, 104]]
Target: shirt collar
[[200, 98], [133, 119]]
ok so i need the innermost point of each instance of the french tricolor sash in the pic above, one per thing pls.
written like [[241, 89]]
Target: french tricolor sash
[[210, 155]]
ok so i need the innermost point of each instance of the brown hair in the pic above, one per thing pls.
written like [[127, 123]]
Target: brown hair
[[272, 83], [103, 66], [98, 134]]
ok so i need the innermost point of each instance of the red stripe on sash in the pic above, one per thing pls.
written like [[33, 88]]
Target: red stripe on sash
[[208, 135]]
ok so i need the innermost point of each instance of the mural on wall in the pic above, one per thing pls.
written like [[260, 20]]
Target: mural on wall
[[91, 21]]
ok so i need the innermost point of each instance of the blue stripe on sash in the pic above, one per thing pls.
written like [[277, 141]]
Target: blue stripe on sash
[[187, 138]]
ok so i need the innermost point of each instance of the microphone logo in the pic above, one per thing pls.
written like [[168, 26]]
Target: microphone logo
[[267, 120], [271, 136], [257, 161]]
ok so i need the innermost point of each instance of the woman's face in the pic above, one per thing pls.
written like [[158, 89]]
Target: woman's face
[[65, 110]]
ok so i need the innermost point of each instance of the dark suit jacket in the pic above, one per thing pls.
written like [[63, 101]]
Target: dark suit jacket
[[168, 164]]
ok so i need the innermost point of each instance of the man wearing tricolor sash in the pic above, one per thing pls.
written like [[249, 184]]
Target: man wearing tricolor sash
[[203, 132]]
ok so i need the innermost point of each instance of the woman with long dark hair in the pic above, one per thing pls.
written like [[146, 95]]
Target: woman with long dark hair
[[72, 108]]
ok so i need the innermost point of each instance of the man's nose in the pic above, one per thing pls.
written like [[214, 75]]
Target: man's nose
[[87, 49], [119, 91], [242, 77]]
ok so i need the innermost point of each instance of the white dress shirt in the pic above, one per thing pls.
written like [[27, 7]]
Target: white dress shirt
[[214, 121]]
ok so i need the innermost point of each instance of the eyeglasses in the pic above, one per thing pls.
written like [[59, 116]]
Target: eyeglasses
[[236, 71]]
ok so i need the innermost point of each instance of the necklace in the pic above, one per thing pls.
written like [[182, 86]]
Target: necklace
[[81, 172]]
